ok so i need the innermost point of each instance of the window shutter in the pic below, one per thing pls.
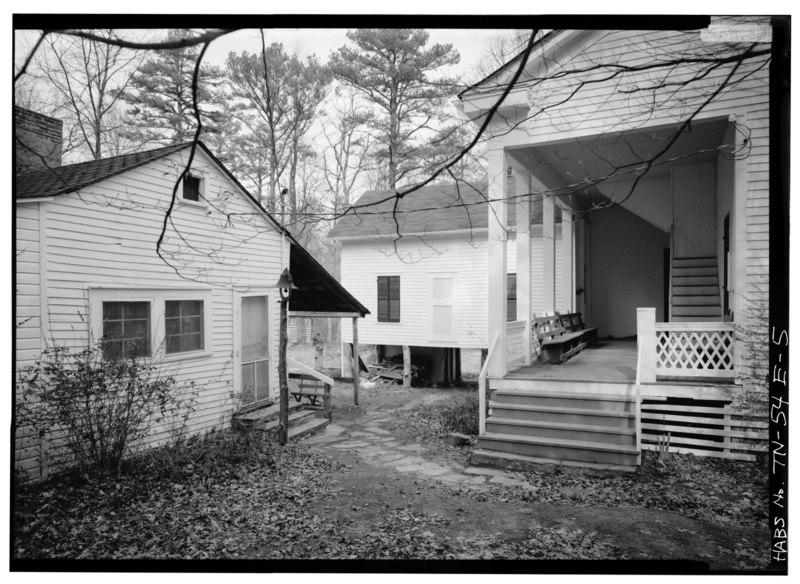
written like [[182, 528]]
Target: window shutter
[[511, 297]]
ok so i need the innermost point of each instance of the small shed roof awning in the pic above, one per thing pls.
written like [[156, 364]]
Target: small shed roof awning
[[318, 291]]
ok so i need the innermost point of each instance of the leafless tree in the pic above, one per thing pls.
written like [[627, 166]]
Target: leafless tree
[[89, 75]]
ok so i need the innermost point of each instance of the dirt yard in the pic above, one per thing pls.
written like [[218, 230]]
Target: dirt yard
[[707, 511], [382, 482]]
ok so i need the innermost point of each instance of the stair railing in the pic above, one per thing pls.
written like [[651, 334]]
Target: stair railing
[[482, 376], [326, 397], [671, 268]]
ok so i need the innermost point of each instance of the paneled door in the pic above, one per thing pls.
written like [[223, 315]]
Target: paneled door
[[255, 349]]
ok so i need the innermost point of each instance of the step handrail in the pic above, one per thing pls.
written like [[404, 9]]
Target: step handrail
[[482, 386], [326, 398]]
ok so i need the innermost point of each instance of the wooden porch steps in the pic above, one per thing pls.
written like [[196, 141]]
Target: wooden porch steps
[[550, 422], [695, 290], [494, 459], [561, 449], [302, 420]]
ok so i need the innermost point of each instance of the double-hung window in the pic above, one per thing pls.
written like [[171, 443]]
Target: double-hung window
[[388, 298]]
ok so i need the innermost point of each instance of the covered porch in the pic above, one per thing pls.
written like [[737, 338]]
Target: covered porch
[[631, 235]]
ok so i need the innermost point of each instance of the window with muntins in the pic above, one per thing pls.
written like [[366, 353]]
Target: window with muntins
[[191, 188], [183, 326], [126, 329], [388, 298]]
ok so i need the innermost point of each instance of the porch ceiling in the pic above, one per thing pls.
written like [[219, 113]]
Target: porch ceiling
[[571, 166]]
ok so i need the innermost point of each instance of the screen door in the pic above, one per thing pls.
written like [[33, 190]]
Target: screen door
[[255, 349]]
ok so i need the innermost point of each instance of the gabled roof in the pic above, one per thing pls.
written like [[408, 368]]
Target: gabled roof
[[538, 43], [432, 209], [318, 290], [73, 177]]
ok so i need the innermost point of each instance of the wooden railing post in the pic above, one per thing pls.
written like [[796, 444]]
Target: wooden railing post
[[326, 403], [646, 341]]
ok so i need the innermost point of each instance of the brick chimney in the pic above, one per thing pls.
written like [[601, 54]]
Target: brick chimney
[[38, 141]]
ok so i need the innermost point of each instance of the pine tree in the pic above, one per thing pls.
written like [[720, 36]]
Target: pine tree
[[160, 97], [391, 69]]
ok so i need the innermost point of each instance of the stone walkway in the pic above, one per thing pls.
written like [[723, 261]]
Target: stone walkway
[[373, 443]]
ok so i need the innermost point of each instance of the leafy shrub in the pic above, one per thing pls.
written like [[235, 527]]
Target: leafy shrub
[[93, 410]]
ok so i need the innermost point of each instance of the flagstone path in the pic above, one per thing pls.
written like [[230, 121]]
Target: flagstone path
[[372, 442]]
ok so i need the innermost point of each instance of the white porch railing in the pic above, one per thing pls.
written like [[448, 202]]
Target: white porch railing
[[515, 343], [684, 349], [482, 376], [695, 349]]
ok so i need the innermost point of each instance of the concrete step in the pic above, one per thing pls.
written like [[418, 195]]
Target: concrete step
[[311, 425], [694, 262], [565, 415], [583, 432], [686, 300], [533, 397], [694, 271], [560, 449], [712, 311], [507, 460], [695, 291]]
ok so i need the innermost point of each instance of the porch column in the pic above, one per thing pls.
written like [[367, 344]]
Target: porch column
[[524, 242], [567, 300], [498, 236], [548, 253]]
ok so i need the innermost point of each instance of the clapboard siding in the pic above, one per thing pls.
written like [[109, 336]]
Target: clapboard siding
[[27, 322], [105, 238], [416, 262]]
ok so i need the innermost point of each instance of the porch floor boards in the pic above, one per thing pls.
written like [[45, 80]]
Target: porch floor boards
[[608, 361]]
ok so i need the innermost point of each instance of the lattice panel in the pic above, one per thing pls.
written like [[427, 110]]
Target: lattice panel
[[442, 288], [515, 342], [443, 321], [708, 353]]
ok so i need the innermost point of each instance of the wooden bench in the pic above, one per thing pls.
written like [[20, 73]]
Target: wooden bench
[[310, 388], [562, 336], [573, 323]]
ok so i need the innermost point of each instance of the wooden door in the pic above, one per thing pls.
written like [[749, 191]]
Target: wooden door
[[693, 210]]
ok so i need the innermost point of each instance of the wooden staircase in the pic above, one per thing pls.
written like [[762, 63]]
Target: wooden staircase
[[695, 290], [303, 419], [552, 422]]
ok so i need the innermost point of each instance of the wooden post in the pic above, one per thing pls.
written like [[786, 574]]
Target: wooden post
[[497, 254], [326, 402], [406, 367], [523, 268], [549, 253], [283, 402], [646, 339], [356, 379], [566, 302]]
